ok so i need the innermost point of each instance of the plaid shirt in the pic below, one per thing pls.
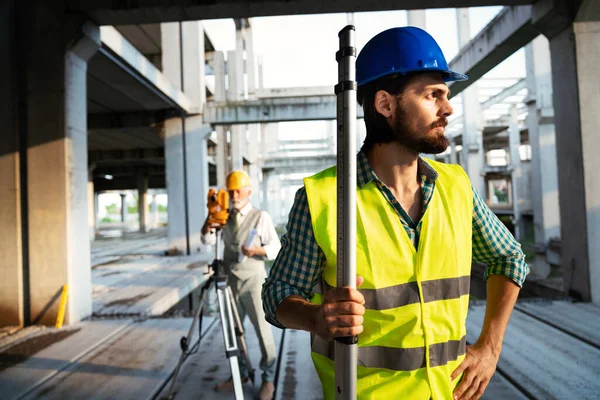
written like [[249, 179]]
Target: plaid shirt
[[297, 268]]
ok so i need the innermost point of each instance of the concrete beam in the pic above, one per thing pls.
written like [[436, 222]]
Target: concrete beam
[[281, 165], [108, 12], [125, 156], [128, 119], [509, 91], [127, 183], [274, 110], [117, 171], [510, 30], [139, 64]]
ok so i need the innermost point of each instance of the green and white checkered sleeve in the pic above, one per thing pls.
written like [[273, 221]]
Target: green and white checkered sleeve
[[495, 246], [298, 265]]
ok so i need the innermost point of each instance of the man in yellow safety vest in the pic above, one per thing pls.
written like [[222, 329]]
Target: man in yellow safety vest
[[420, 224]]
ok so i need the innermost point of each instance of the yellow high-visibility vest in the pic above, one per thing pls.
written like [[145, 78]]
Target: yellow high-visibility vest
[[416, 301]]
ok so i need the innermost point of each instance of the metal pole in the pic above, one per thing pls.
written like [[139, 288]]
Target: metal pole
[[515, 166], [345, 90], [184, 149]]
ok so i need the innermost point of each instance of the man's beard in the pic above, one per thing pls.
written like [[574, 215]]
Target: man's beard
[[414, 141]]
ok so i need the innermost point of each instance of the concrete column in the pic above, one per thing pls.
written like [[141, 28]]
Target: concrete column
[[417, 18], [11, 243], [473, 160], [515, 167], [57, 167], [254, 168], [453, 155], [236, 93], [540, 123], [238, 142], [92, 217], [171, 52], [193, 62], [142, 189], [270, 137], [218, 65], [220, 96], [222, 155], [265, 189], [97, 210], [185, 137], [124, 210], [575, 52], [275, 198], [154, 212], [250, 60]]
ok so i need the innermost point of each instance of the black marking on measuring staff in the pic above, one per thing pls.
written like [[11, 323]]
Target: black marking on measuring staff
[[348, 51], [344, 86]]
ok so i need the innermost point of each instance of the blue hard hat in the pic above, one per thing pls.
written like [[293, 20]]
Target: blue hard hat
[[402, 50]]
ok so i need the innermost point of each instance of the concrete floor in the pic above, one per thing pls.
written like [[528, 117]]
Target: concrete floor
[[551, 349]]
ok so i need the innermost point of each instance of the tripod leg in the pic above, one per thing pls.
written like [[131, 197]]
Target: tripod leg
[[240, 335], [185, 341], [231, 348]]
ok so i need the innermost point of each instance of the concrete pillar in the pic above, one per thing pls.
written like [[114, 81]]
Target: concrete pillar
[[97, 210], [185, 137], [575, 51], [266, 174], [250, 60], [514, 139], [253, 168], [235, 74], [194, 84], [540, 123], [171, 52], [417, 18], [11, 242], [453, 154], [52, 51], [222, 156], [220, 96], [154, 212], [92, 216], [124, 210], [473, 160], [218, 66], [237, 92], [275, 198], [142, 189], [269, 138]]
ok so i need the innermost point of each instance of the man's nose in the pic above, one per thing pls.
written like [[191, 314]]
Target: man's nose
[[446, 110]]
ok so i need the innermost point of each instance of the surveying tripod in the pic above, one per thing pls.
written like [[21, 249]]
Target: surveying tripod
[[231, 325]]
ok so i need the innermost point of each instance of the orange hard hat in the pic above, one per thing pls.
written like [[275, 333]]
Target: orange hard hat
[[237, 180]]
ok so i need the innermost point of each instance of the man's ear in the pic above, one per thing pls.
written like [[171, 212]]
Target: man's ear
[[384, 103]]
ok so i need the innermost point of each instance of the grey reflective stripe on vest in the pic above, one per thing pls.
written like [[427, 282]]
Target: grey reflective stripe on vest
[[404, 359], [408, 293], [441, 353]]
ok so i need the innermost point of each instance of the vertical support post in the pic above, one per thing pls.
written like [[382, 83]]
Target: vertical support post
[[123, 207], [515, 167], [540, 124], [142, 188], [473, 157], [417, 18]]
